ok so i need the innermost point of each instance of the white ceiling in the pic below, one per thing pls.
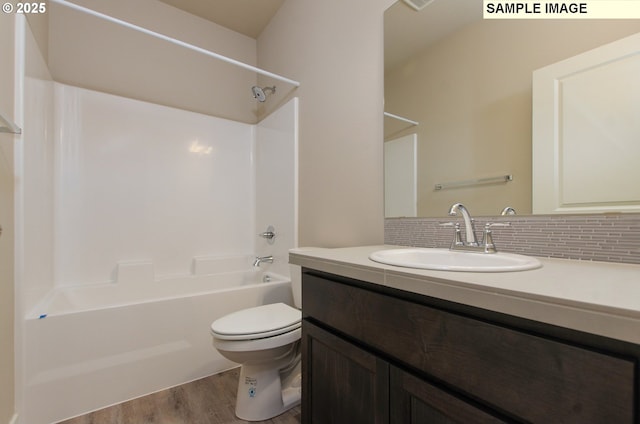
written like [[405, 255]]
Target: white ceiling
[[248, 17]]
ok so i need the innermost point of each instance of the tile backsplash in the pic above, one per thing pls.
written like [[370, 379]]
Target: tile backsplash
[[607, 237]]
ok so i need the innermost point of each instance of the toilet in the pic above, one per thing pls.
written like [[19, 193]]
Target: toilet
[[265, 340]]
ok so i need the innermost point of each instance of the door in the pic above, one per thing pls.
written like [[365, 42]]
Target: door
[[342, 383], [585, 111], [401, 177], [414, 401]]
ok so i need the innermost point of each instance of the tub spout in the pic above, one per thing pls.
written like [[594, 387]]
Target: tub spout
[[261, 259]]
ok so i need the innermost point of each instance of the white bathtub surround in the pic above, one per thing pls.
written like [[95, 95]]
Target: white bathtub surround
[[128, 181], [139, 272], [154, 231], [138, 180], [204, 265], [131, 182], [276, 161], [133, 272], [145, 219]]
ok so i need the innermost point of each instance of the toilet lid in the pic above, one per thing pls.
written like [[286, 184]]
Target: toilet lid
[[261, 321]]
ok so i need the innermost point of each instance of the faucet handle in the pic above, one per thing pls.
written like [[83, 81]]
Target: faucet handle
[[269, 234], [457, 236], [488, 225], [487, 237]]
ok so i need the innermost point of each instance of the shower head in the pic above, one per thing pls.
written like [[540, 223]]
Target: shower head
[[261, 93]]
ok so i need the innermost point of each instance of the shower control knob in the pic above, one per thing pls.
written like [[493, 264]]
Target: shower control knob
[[269, 234]]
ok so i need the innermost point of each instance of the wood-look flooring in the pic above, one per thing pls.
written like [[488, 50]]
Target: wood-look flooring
[[210, 400]]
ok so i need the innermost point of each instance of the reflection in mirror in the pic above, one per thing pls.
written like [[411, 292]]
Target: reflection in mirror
[[467, 81], [585, 117]]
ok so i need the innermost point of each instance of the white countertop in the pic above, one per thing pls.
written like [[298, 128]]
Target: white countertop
[[601, 298]]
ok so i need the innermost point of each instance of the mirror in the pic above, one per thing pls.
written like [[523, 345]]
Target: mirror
[[467, 83]]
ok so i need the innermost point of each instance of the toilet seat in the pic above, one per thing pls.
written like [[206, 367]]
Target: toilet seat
[[257, 344], [257, 323]]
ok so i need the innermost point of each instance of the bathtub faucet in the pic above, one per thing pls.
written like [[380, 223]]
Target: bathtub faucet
[[261, 259]]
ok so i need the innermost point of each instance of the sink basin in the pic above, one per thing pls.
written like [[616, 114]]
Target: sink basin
[[448, 260]]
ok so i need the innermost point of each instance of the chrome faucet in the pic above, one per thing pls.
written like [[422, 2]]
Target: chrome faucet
[[261, 259], [269, 234], [470, 231], [471, 243], [508, 211]]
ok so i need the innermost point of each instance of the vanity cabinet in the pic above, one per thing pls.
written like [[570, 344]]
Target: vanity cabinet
[[372, 354]]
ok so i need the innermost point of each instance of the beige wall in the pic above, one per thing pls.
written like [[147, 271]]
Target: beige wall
[[471, 94], [7, 395], [334, 48]]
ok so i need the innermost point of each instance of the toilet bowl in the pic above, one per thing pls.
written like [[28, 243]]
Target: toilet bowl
[[265, 340]]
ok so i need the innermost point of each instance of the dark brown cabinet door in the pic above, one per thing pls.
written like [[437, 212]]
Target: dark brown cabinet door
[[414, 401], [342, 383]]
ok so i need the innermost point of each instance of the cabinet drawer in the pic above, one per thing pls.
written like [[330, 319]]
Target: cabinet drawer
[[527, 376]]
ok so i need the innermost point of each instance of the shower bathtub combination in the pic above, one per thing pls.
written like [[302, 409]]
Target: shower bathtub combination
[[138, 218]]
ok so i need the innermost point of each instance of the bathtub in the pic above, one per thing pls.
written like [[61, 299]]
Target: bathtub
[[89, 347]]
